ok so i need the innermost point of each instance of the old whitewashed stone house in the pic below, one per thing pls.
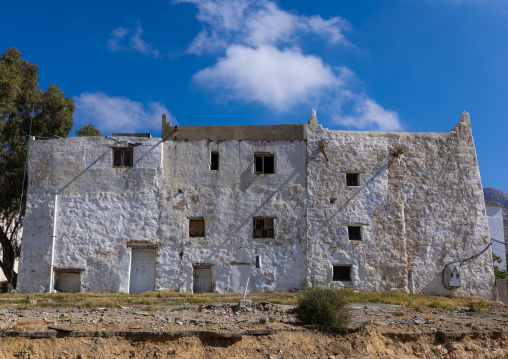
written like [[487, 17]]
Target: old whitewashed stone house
[[287, 206]]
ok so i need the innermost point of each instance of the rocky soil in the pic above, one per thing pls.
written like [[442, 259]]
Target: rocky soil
[[250, 330]]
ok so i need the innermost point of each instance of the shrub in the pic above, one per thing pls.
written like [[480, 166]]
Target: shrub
[[327, 307]]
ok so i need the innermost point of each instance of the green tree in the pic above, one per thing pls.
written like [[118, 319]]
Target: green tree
[[499, 273], [24, 109], [88, 130]]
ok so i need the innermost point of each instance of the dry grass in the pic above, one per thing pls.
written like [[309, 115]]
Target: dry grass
[[157, 300]]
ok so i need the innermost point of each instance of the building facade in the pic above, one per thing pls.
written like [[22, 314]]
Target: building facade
[[496, 231], [278, 207]]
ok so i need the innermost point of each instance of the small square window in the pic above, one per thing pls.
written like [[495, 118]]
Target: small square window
[[342, 273], [352, 179], [354, 233], [264, 163], [196, 227], [214, 161], [263, 227], [122, 157]]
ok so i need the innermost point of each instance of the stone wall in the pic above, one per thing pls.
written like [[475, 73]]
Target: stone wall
[[99, 210], [418, 204]]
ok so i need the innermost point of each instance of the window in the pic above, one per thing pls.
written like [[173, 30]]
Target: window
[[354, 233], [263, 227], [352, 179], [214, 161], [264, 163], [122, 157], [196, 227], [342, 273]]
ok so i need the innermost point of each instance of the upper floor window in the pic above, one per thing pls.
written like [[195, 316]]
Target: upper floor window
[[264, 163], [354, 233], [214, 161], [352, 179], [263, 227], [122, 157], [196, 227]]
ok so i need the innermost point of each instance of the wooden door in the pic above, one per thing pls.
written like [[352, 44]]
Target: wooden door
[[203, 279], [142, 270]]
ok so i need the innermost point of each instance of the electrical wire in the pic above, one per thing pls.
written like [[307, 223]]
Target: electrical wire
[[462, 261], [495, 240]]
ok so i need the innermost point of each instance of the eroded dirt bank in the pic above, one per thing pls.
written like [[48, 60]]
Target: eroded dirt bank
[[368, 342], [259, 330]]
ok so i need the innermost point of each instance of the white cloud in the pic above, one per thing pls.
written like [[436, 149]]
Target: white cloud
[[263, 61], [119, 41], [256, 23], [276, 78], [118, 114], [367, 114]]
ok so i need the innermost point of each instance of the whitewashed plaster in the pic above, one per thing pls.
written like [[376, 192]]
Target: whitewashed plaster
[[418, 211], [496, 230]]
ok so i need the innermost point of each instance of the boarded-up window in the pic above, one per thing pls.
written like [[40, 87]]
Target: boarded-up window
[[68, 281], [196, 227], [342, 273], [352, 179], [214, 161], [354, 233], [264, 163], [122, 157], [263, 227]]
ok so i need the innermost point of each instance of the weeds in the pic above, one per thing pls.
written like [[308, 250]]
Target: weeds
[[156, 300], [327, 307]]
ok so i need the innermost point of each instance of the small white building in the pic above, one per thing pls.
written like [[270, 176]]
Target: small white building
[[496, 230]]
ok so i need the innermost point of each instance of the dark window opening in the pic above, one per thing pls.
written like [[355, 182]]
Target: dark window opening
[[196, 227], [342, 273], [354, 233], [214, 161], [122, 157], [263, 227], [264, 163], [352, 179]]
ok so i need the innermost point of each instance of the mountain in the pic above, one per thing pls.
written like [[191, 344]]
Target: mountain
[[492, 194]]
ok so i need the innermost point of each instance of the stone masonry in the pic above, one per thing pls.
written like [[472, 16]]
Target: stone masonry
[[362, 210]]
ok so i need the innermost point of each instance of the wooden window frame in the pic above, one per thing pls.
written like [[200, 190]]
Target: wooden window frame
[[261, 165], [196, 222], [263, 227], [119, 158]]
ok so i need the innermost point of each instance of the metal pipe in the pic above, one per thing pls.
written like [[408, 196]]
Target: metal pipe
[[53, 237], [247, 285], [411, 281]]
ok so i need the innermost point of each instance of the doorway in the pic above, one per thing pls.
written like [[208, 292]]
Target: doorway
[[142, 270], [202, 279]]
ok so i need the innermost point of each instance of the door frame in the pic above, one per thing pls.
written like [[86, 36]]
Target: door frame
[[202, 266], [131, 267]]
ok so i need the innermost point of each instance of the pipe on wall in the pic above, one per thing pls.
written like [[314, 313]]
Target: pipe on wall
[[53, 237]]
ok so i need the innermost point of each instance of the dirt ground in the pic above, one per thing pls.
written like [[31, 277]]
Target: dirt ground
[[250, 330]]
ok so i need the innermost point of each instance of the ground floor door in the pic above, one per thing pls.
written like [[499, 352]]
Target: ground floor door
[[142, 270], [202, 279]]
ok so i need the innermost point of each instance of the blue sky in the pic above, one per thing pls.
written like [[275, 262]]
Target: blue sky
[[407, 65]]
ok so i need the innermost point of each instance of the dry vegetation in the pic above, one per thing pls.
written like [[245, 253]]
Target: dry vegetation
[[157, 300]]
